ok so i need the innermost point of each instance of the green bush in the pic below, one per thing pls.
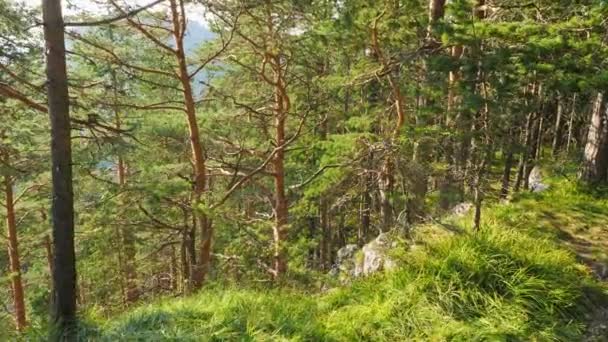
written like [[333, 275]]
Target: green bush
[[512, 281]]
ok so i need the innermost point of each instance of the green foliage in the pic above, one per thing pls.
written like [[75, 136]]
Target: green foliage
[[508, 282], [346, 167]]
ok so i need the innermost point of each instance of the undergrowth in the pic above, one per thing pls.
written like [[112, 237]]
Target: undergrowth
[[515, 280]]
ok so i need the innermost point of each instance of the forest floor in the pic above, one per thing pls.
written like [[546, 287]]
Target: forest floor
[[535, 272], [581, 223]]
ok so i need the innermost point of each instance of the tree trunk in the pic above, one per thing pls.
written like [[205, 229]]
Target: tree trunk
[[64, 276], [48, 248], [532, 154], [595, 162], [506, 174], [121, 267], [324, 242], [558, 125], [523, 158], [13, 256], [417, 185], [385, 186], [533, 138], [174, 269], [365, 210], [185, 264], [127, 238], [385, 179], [538, 154], [200, 269], [571, 123], [477, 198], [436, 12], [281, 110], [191, 259], [453, 79], [538, 147]]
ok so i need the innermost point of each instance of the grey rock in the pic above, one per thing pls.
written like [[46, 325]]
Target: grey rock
[[345, 261], [535, 180], [373, 257], [462, 209], [346, 252]]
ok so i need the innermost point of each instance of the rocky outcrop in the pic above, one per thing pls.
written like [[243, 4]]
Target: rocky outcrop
[[535, 181], [373, 257], [345, 261], [461, 209]]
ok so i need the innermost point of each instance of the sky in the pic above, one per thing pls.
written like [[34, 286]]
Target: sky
[[198, 30], [72, 7]]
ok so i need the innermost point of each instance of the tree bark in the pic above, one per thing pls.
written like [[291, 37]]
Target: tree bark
[[385, 186], [595, 159], [174, 270], [532, 147], [453, 79], [64, 276], [506, 174], [385, 179], [201, 268], [13, 256], [325, 242], [523, 158], [557, 131], [128, 243], [127, 238], [365, 210], [436, 12], [280, 201], [48, 248], [530, 143], [538, 154], [571, 123]]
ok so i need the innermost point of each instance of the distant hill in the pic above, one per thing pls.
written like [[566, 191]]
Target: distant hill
[[196, 34]]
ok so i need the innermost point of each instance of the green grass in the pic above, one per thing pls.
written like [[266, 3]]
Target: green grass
[[519, 279]]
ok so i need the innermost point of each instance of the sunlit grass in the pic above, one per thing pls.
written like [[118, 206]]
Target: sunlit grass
[[518, 279]]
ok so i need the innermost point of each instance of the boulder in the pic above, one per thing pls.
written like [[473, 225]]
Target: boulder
[[373, 257], [535, 180], [345, 260], [461, 209]]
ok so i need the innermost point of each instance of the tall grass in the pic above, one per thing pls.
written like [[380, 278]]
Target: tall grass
[[498, 285], [512, 281]]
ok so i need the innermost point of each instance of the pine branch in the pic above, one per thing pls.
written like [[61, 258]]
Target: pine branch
[[123, 15]]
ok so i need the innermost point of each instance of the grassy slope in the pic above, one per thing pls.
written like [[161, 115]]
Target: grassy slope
[[517, 280]]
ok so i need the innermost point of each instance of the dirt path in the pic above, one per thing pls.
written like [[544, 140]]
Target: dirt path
[[583, 227]]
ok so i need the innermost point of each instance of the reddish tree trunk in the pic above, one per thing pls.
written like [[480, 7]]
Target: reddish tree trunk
[[203, 224], [278, 162], [127, 238], [128, 243], [13, 256]]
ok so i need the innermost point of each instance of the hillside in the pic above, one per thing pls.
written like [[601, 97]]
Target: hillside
[[528, 275], [175, 170]]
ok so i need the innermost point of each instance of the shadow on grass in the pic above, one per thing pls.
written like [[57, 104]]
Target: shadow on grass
[[452, 228]]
